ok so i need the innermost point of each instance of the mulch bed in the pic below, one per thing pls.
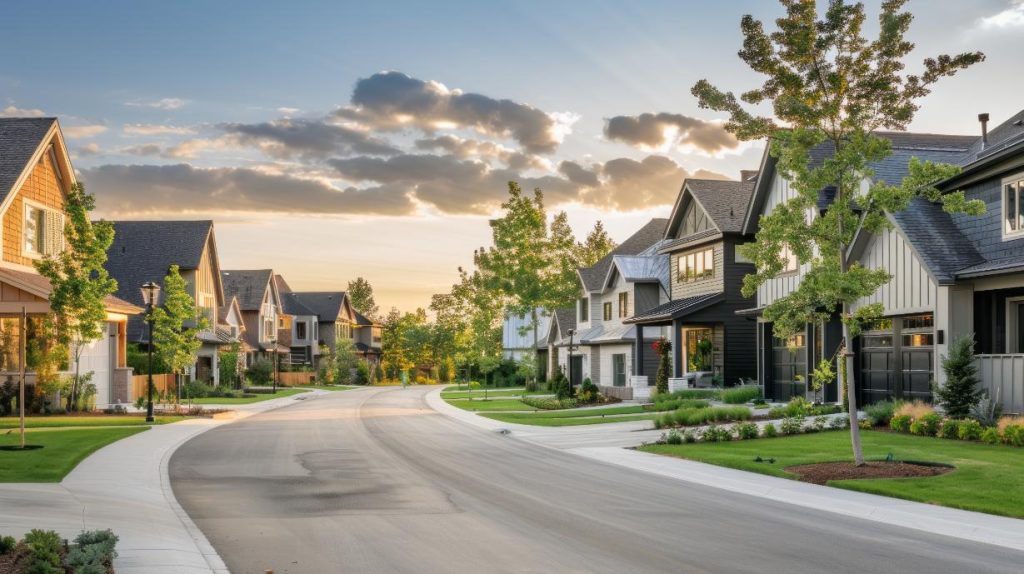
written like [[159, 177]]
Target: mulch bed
[[821, 473]]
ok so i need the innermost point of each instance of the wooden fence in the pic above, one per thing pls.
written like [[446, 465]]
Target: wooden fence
[[161, 383], [295, 378]]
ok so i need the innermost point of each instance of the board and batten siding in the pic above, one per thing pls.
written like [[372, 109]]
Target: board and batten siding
[[715, 284], [911, 289], [778, 287]]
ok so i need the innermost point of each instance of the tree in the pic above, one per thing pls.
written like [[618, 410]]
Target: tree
[[594, 247], [79, 282], [345, 361], [961, 393], [360, 293], [664, 349], [830, 88], [176, 325], [228, 363]]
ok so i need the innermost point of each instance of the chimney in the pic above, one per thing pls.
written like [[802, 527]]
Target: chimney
[[748, 174], [983, 118]]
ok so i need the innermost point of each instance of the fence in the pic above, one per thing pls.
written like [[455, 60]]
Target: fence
[[1003, 376], [161, 383], [295, 378]]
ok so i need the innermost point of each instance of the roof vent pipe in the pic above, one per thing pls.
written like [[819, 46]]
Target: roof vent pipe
[[983, 118]]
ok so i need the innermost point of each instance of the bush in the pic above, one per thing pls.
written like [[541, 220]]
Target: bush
[[769, 431], [674, 437], [7, 544], [926, 425], [560, 386], [987, 411], [864, 424], [689, 394], [675, 404], [792, 425], [969, 429], [990, 435], [549, 403], [818, 424], [44, 552], [746, 431], [961, 393], [914, 410], [740, 395], [694, 417], [1013, 434], [801, 407], [838, 423], [93, 552], [587, 392], [531, 386], [362, 374], [261, 372], [900, 423], [879, 413], [715, 434], [689, 436], [950, 429]]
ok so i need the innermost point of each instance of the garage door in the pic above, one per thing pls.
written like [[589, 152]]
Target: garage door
[[896, 360]]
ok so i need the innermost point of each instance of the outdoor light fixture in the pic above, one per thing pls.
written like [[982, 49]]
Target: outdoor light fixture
[[150, 293]]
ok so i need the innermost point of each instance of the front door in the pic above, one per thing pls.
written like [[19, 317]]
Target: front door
[[576, 370]]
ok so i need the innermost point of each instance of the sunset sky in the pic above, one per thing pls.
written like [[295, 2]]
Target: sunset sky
[[334, 140]]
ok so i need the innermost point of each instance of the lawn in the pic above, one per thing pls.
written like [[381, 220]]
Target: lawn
[[987, 478], [499, 404], [326, 387], [580, 418], [63, 450], [282, 392], [86, 421], [479, 394]]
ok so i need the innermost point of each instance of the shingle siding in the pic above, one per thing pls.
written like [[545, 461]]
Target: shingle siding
[[985, 231]]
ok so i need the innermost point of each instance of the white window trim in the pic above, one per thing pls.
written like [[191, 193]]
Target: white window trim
[[26, 204], [1010, 235], [1011, 324]]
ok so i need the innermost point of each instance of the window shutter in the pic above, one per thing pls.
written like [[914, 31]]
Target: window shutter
[[53, 232]]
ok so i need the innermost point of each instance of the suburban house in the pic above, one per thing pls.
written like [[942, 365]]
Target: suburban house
[[304, 336], [628, 280], [35, 176], [368, 340], [144, 251], [336, 319], [952, 275], [230, 320], [703, 274], [556, 339], [260, 304], [518, 342]]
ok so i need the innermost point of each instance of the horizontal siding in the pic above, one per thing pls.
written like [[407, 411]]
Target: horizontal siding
[[911, 288], [681, 290]]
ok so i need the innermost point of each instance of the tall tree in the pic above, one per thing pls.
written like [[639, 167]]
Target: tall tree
[[594, 247], [360, 293], [177, 324], [830, 87], [78, 280]]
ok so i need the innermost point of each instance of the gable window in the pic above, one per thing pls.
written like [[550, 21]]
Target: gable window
[[607, 311], [584, 310], [42, 231], [268, 329], [1013, 213], [697, 265], [300, 329], [623, 305]]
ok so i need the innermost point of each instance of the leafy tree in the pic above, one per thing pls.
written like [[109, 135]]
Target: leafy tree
[[138, 360], [345, 361], [961, 393], [594, 247], [78, 280], [664, 349], [830, 87], [360, 293], [362, 373], [228, 363], [177, 324]]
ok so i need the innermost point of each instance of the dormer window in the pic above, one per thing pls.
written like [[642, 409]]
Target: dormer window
[[608, 311], [1013, 213], [43, 231], [623, 305], [697, 266]]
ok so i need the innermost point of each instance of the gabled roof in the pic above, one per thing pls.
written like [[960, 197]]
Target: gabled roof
[[249, 286], [675, 309], [363, 320], [650, 234], [640, 269], [19, 140], [724, 202], [144, 250], [290, 302], [40, 286], [225, 310], [326, 305]]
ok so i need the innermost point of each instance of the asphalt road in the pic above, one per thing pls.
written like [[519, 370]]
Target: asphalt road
[[373, 480]]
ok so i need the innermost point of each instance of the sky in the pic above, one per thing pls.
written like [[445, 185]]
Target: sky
[[333, 140]]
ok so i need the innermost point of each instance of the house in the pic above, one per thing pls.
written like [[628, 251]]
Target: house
[[368, 336], [35, 177], [266, 332], [335, 316], [232, 326], [518, 341], [144, 251], [556, 339], [703, 271], [304, 335], [952, 275], [611, 291]]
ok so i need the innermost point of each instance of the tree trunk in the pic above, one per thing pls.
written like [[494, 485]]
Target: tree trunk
[[536, 356], [851, 394]]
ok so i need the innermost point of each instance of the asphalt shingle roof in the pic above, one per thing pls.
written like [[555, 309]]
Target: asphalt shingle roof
[[144, 250], [725, 202], [248, 286], [675, 308], [326, 305], [19, 139], [648, 235]]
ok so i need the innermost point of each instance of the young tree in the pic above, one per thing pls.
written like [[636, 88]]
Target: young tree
[[594, 247], [177, 324], [78, 280], [345, 361], [360, 293], [664, 349], [961, 392], [830, 87]]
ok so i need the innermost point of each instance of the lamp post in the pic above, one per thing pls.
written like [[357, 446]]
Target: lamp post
[[273, 343], [150, 292], [572, 333]]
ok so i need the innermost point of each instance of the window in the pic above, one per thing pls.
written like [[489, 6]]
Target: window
[[1013, 214], [791, 262], [698, 349], [623, 305], [619, 370], [697, 266], [300, 330], [584, 310], [607, 311], [43, 231], [268, 329]]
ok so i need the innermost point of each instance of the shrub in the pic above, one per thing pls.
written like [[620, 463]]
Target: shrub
[[674, 437], [879, 413], [864, 424], [560, 386], [362, 373], [838, 423], [900, 423], [990, 435], [261, 372], [587, 392], [969, 429], [93, 552], [961, 392], [950, 429], [769, 431], [914, 410], [926, 425], [800, 407], [987, 411], [690, 394], [746, 431], [740, 395], [712, 434], [7, 544], [792, 425], [44, 552], [1013, 434], [531, 386], [693, 417], [689, 436]]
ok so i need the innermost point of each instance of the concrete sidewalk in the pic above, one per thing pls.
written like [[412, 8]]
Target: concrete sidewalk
[[124, 486], [609, 443]]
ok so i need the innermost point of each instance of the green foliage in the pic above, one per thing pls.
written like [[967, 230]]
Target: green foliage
[[45, 548], [177, 324], [714, 434], [969, 429], [747, 431], [689, 394], [673, 437], [987, 411], [839, 423], [900, 423], [961, 392], [740, 395], [360, 295], [769, 431], [93, 552], [792, 425], [879, 413], [702, 416], [228, 363], [261, 372], [362, 373], [7, 544], [560, 386], [950, 429], [990, 436], [345, 362], [1013, 434], [548, 403], [671, 404], [138, 360], [587, 392], [664, 349], [800, 407]]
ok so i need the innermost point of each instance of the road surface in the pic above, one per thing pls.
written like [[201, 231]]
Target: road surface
[[373, 480]]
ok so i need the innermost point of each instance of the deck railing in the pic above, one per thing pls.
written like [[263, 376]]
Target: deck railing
[[1003, 377]]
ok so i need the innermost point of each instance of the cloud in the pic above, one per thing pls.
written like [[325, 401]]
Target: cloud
[[79, 132], [155, 130], [392, 100], [469, 148], [143, 149], [311, 138], [664, 130], [1008, 19], [91, 148], [161, 104], [578, 174], [12, 111], [125, 190], [189, 149]]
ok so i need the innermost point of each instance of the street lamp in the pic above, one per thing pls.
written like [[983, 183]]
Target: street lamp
[[150, 293], [572, 332], [273, 343]]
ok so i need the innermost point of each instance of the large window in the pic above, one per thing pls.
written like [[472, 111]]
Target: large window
[[623, 305], [1013, 214], [300, 330], [619, 370], [697, 266], [584, 310], [607, 311]]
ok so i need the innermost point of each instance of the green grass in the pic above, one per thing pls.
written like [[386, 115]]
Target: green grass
[[490, 405], [282, 392], [326, 387], [63, 450], [740, 395], [53, 421], [579, 419], [987, 478], [575, 413], [479, 394]]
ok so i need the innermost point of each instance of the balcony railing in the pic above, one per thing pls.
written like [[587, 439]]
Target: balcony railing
[[1003, 377]]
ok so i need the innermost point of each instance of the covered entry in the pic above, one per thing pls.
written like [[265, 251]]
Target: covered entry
[[897, 358]]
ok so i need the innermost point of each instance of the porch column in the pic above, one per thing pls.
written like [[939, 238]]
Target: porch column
[[677, 348], [639, 383], [638, 360]]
